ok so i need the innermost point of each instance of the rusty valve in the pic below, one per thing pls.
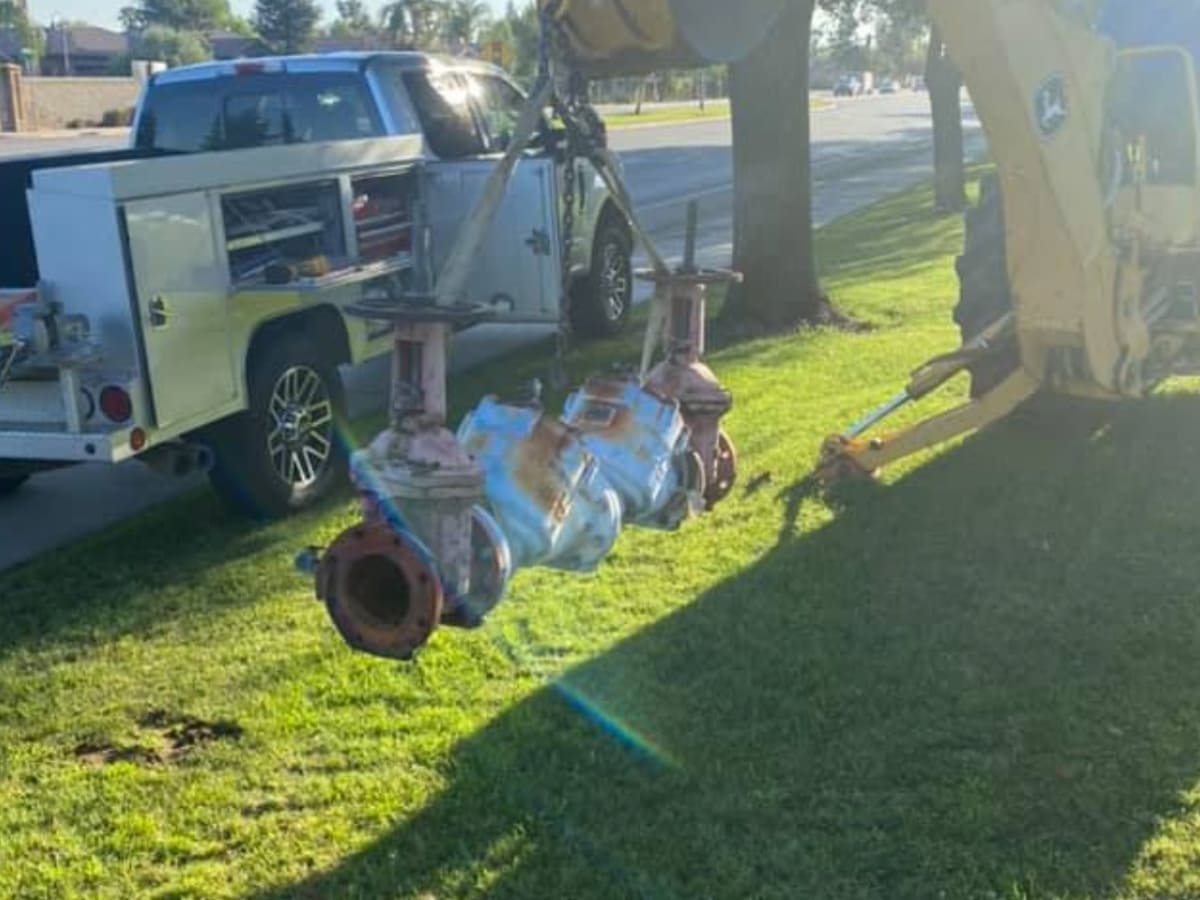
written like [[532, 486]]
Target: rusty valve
[[551, 499], [682, 376], [448, 518], [382, 590], [427, 552], [643, 447]]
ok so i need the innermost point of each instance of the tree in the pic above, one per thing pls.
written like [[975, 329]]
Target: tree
[[175, 48], [131, 19], [945, 83], [414, 23], [772, 230], [179, 15], [464, 19], [13, 18], [286, 26], [353, 19]]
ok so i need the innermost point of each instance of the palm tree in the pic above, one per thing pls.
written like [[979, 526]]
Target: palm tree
[[414, 23], [464, 20]]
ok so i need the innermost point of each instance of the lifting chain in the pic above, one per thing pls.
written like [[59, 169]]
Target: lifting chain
[[587, 139], [585, 132]]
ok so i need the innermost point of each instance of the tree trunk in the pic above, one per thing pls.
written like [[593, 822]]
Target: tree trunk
[[772, 178], [944, 82]]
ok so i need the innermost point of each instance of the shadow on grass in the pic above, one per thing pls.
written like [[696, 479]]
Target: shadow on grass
[[980, 681], [108, 584]]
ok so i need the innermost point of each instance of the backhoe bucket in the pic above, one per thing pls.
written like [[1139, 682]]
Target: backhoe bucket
[[630, 37]]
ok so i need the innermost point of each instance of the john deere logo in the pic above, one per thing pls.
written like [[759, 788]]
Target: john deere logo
[[1050, 106]]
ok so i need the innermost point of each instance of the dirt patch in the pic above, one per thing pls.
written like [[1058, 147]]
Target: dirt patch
[[168, 738], [94, 753]]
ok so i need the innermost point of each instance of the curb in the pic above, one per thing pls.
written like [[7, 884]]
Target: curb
[[826, 106]]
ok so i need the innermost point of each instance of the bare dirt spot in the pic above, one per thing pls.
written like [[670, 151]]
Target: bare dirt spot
[[168, 738]]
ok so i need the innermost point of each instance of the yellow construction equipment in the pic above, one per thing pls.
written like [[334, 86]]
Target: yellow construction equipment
[[1081, 267]]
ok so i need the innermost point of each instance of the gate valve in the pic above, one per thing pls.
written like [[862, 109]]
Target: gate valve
[[547, 492], [427, 552], [643, 446], [682, 376]]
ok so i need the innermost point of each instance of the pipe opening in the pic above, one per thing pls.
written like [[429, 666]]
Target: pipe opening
[[378, 591]]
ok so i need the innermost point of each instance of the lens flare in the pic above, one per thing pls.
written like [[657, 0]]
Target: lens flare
[[621, 730]]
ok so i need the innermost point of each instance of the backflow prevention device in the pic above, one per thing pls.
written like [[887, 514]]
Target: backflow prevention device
[[449, 517]]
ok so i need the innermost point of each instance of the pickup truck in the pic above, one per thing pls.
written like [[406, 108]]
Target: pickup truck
[[186, 297]]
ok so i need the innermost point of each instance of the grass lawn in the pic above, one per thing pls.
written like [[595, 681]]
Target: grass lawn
[[714, 109], [977, 680]]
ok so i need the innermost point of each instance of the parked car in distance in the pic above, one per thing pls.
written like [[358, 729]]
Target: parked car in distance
[[847, 86], [889, 86]]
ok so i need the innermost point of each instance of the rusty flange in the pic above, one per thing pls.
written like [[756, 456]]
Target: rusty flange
[[723, 475], [382, 590]]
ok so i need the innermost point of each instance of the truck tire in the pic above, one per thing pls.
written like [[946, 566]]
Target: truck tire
[[283, 454], [984, 291], [602, 300]]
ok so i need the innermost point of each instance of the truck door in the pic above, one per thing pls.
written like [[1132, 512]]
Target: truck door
[[518, 271], [182, 305]]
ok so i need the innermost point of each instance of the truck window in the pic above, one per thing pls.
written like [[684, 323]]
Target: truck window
[[324, 109], [260, 110], [443, 104], [1150, 101], [390, 79], [255, 120], [500, 105], [180, 118]]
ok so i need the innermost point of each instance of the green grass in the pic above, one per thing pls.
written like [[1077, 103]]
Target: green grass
[[977, 680], [714, 109]]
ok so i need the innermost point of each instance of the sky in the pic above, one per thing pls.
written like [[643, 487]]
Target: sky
[[104, 12]]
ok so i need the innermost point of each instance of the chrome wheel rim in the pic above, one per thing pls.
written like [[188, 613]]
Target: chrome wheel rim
[[300, 440], [614, 280]]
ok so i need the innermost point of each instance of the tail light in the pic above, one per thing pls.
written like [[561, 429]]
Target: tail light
[[116, 404]]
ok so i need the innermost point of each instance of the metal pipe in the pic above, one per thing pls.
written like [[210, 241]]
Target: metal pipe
[[689, 244], [873, 418]]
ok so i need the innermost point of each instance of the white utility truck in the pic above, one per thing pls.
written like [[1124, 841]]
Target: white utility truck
[[186, 297]]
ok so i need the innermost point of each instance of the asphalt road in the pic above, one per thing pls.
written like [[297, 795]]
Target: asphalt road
[[863, 149]]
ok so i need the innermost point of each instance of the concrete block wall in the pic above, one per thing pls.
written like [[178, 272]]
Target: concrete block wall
[[12, 106], [49, 103]]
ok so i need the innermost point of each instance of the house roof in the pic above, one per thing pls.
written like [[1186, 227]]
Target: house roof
[[86, 39], [230, 44]]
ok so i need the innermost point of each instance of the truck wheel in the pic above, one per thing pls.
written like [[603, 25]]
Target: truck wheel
[[984, 292], [601, 302], [284, 453]]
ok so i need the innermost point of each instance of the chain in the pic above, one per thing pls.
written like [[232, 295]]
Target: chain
[[552, 47], [586, 139]]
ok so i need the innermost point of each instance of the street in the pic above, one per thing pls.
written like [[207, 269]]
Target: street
[[863, 150]]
